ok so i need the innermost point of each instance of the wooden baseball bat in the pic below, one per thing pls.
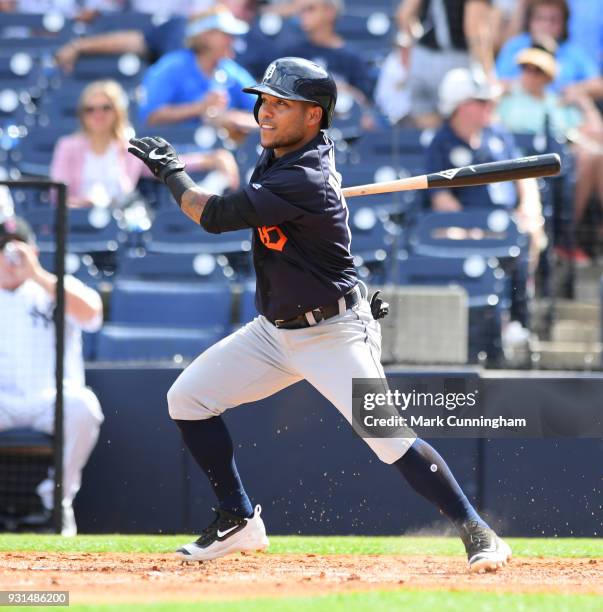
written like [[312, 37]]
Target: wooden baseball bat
[[478, 174]]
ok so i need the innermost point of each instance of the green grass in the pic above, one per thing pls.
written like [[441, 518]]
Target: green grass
[[442, 601], [389, 545]]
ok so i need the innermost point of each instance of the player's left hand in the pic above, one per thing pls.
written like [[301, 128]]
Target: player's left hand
[[158, 155]]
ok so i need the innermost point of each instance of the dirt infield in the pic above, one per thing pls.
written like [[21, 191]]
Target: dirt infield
[[111, 577]]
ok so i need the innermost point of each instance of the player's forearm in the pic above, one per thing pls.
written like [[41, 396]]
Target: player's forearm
[[172, 113], [81, 302], [193, 203]]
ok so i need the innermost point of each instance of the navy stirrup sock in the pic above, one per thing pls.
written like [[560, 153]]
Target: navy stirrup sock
[[428, 474], [210, 444]]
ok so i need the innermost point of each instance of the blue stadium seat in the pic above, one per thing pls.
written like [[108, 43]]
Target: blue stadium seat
[[80, 266], [33, 153], [173, 232], [366, 32], [190, 305], [172, 266], [247, 310], [35, 32], [127, 69], [491, 233], [119, 20], [485, 284], [91, 230], [128, 343]]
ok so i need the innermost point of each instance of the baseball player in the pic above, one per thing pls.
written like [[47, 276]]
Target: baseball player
[[27, 358], [315, 321]]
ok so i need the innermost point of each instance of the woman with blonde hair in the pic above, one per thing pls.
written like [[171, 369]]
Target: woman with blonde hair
[[93, 162]]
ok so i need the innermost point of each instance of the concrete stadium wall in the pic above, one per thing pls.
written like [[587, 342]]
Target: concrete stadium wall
[[301, 461]]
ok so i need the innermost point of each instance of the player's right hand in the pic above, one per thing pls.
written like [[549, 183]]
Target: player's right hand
[[158, 155]]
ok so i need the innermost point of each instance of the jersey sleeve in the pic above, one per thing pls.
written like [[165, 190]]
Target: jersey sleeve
[[287, 194]]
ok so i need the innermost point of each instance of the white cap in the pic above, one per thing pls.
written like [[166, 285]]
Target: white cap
[[460, 85]]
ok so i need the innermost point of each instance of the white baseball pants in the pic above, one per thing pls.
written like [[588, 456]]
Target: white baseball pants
[[81, 424], [259, 359]]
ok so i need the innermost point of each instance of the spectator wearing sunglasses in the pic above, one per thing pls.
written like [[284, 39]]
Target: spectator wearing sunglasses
[[94, 163]]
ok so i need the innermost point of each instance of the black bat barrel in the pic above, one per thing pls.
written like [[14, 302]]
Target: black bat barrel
[[495, 172]]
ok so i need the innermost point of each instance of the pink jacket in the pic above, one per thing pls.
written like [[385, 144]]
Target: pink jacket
[[68, 165]]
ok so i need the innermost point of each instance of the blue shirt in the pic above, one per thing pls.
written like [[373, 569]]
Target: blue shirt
[[301, 252], [586, 27], [177, 79], [574, 63], [447, 150]]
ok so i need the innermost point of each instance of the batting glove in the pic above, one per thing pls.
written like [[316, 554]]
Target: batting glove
[[158, 155]]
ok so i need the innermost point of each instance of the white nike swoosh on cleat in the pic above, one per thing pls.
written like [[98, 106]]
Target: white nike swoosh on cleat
[[221, 534]]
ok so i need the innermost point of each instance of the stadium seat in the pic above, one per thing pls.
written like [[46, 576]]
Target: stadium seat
[[172, 266], [33, 153], [25, 456], [366, 32], [129, 343], [191, 305], [34, 32], [119, 20], [487, 232], [91, 230], [247, 308], [80, 266], [127, 69], [484, 282], [373, 241], [173, 232]]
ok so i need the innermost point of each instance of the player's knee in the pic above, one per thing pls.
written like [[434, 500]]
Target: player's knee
[[182, 404]]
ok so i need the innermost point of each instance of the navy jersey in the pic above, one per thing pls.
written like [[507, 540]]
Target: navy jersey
[[301, 252]]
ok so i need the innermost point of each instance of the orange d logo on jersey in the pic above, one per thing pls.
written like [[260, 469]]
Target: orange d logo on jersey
[[272, 237]]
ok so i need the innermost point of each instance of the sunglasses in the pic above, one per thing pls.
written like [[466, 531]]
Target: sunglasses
[[104, 108]]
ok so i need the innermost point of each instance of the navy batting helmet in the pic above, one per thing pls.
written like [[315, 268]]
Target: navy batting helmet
[[294, 78]]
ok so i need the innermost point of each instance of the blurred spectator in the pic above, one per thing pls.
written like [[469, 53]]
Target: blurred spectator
[[468, 137], [27, 358], [202, 82], [527, 108], [325, 47], [94, 162], [578, 72], [585, 25], [151, 43], [450, 34], [392, 94]]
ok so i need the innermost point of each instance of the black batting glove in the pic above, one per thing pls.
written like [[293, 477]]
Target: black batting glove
[[157, 154]]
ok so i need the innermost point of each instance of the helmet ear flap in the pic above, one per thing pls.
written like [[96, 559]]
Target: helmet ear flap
[[256, 109]]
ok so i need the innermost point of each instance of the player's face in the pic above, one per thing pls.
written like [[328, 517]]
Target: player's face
[[286, 125], [98, 114]]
